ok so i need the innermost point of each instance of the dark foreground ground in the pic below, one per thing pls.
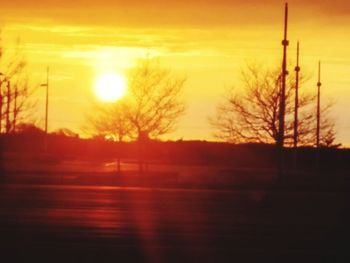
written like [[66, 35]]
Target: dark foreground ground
[[293, 220]]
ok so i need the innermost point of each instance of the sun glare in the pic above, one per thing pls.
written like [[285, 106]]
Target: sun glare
[[110, 87]]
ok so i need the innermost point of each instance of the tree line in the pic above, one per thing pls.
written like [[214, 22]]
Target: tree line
[[14, 89], [250, 113], [154, 103]]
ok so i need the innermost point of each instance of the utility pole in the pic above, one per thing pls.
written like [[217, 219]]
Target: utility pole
[[1, 101], [318, 117], [282, 106], [46, 108], [296, 108], [8, 100], [318, 107], [1, 139], [47, 100], [15, 110]]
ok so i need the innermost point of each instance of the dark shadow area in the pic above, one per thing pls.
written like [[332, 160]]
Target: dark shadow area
[[197, 202], [30, 146], [292, 221]]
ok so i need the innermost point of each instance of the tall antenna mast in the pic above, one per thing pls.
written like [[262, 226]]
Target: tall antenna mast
[[282, 106], [296, 107], [296, 103], [318, 106]]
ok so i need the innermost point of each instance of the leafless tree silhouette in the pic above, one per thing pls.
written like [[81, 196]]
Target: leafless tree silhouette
[[151, 107], [14, 89], [110, 120], [154, 99], [154, 102], [252, 114]]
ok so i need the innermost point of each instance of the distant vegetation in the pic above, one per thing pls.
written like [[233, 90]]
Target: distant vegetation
[[250, 113], [68, 146], [154, 104], [151, 108], [15, 91]]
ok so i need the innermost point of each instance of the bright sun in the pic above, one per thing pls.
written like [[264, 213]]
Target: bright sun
[[110, 87]]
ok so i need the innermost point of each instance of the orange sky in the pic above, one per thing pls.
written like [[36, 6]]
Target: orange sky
[[208, 41]]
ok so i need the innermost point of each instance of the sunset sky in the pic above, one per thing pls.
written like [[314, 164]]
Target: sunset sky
[[209, 41]]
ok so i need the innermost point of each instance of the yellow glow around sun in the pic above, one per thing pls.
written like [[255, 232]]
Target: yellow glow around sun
[[110, 87]]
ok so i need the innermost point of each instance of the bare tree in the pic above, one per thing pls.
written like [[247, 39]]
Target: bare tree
[[110, 121], [154, 99], [327, 127], [14, 89], [252, 114], [151, 107]]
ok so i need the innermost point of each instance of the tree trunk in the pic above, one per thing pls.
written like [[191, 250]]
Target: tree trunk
[[140, 152]]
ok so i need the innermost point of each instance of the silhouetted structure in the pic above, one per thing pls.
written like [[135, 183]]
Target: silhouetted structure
[[14, 90], [296, 104], [296, 109], [8, 103], [2, 80], [280, 140], [15, 109], [143, 151], [5, 93], [46, 108], [318, 116]]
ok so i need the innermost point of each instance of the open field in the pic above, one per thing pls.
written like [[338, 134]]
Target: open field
[[104, 172]]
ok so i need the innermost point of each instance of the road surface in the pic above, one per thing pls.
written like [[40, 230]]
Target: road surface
[[61, 223]]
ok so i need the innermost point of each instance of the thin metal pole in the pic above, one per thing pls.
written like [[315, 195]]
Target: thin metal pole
[[46, 110], [8, 124], [318, 106], [1, 103], [280, 141], [318, 117], [296, 103], [296, 110], [15, 113], [47, 100]]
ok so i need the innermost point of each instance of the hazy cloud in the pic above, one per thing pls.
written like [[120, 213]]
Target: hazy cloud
[[171, 13]]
